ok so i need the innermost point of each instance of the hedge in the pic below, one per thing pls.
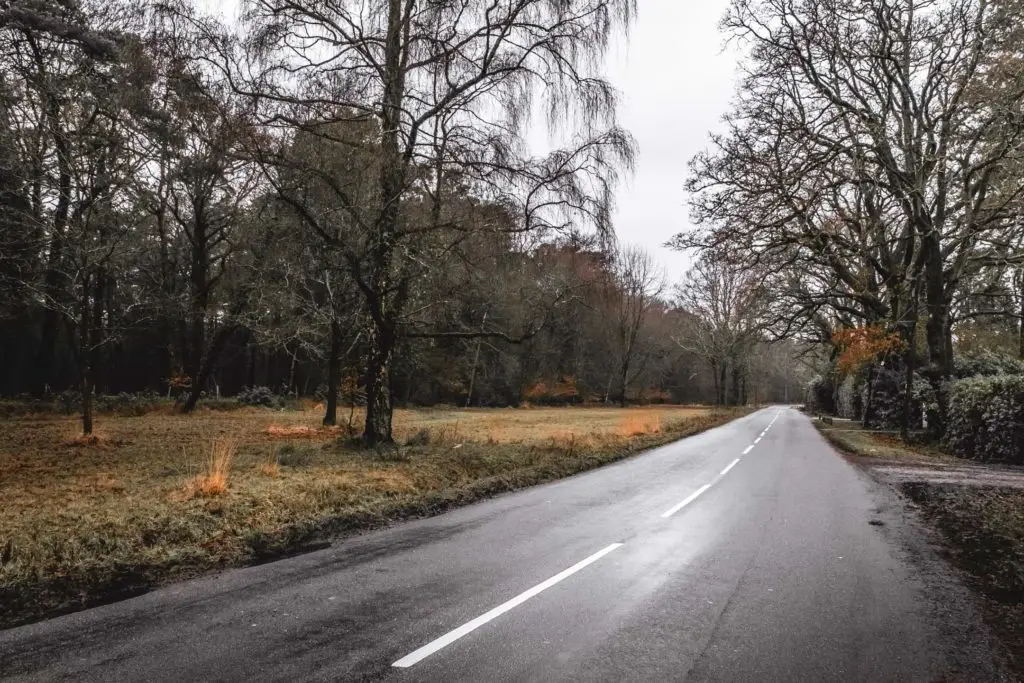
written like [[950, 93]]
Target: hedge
[[987, 363], [986, 418]]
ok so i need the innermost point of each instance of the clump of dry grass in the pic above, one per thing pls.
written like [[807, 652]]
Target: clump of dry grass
[[639, 424], [214, 482], [271, 469]]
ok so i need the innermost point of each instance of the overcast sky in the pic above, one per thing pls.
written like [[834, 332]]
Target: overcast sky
[[676, 81]]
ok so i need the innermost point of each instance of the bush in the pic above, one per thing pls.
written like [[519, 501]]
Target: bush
[[986, 418], [986, 363], [820, 395], [258, 396], [552, 392], [129, 405], [887, 399]]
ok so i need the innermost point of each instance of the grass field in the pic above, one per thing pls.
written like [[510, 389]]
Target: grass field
[[165, 496]]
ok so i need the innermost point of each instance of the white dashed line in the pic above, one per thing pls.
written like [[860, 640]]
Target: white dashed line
[[689, 499], [447, 639], [470, 626], [728, 467]]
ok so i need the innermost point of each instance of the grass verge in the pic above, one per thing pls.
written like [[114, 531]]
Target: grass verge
[[160, 497], [851, 437], [985, 530]]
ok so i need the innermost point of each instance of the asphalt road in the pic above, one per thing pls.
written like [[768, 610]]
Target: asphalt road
[[679, 564]]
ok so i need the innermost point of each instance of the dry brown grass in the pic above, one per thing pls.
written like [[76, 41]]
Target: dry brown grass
[[81, 520], [299, 431], [639, 423], [214, 481]]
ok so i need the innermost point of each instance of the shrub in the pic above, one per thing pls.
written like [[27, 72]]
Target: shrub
[[70, 401], [552, 391], [887, 399], [129, 405], [258, 396], [291, 455], [420, 438], [986, 418], [820, 396], [986, 363]]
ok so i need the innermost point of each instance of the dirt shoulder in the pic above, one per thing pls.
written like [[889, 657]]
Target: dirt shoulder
[[977, 508]]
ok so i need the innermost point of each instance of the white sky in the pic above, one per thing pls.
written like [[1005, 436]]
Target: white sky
[[676, 78]]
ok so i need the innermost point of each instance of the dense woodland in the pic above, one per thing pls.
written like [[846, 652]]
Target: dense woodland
[[335, 199]]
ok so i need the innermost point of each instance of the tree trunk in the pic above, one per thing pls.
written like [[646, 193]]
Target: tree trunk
[[476, 361], [866, 418], [734, 392], [936, 333], [87, 391], [714, 378], [381, 346], [383, 301], [333, 373], [723, 375], [53, 283], [208, 365], [623, 374], [908, 388], [85, 356], [1020, 327], [200, 298]]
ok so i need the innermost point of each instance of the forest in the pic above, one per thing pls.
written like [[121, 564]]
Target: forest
[[192, 210]]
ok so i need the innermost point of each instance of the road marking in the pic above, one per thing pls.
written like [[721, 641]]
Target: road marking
[[470, 626], [757, 440], [748, 449], [728, 467], [689, 499]]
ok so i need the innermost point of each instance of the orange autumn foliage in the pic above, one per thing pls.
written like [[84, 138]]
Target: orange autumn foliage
[[859, 346]]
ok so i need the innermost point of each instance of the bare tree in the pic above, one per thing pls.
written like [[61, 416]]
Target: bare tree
[[726, 305], [448, 88], [633, 288]]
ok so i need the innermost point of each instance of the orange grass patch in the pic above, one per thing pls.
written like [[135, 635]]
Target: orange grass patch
[[639, 423], [214, 482]]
